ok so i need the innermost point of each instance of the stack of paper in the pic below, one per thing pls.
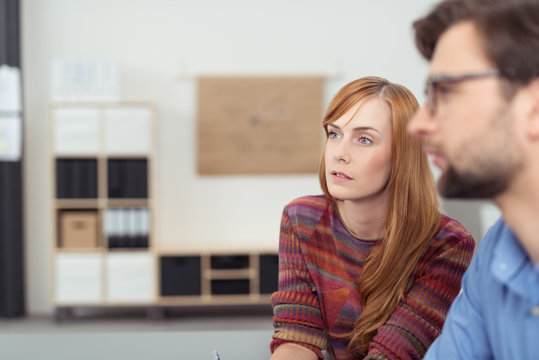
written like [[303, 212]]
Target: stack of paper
[[10, 114]]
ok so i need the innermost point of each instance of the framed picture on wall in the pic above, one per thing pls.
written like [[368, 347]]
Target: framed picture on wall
[[259, 125]]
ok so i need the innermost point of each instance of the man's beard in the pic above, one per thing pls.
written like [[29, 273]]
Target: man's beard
[[483, 183], [491, 167]]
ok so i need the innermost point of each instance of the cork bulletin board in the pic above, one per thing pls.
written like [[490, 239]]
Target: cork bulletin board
[[259, 125]]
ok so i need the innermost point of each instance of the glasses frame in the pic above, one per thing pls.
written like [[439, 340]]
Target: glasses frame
[[432, 83]]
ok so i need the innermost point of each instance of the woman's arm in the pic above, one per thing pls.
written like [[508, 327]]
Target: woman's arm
[[290, 351], [297, 318], [464, 335], [419, 318]]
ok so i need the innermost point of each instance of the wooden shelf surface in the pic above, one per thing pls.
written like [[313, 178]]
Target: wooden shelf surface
[[78, 203], [191, 249], [117, 202], [226, 274], [68, 250], [214, 300]]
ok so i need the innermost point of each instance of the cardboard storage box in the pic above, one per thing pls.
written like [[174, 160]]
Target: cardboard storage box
[[78, 229]]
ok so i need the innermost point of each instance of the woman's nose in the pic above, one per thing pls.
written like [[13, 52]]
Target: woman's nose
[[343, 152]]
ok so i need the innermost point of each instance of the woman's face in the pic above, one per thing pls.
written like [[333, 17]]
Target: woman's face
[[358, 152]]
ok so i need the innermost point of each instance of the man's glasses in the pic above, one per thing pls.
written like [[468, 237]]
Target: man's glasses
[[433, 83]]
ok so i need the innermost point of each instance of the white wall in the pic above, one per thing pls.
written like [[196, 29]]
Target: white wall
[[157, 40]]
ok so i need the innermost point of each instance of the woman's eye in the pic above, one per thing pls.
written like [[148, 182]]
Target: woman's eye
[[365, 140], [332, 135]]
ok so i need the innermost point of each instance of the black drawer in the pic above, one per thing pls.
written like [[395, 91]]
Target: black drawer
[[230, 286], [180, 275], [269, 273], [229, 261]]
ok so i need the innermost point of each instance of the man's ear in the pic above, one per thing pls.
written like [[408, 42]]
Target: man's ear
[[533, 112]]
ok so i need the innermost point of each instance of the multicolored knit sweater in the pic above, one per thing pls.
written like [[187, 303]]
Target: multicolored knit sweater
[[317, 303]]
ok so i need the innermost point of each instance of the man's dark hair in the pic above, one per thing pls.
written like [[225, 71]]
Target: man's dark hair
[[509, 31]]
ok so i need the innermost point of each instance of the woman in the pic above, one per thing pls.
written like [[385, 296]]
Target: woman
[[369, 269]]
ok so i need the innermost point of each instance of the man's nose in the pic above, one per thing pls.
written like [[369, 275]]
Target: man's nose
[[422, 123]]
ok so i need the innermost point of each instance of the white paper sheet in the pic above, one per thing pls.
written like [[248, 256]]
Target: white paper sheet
[[10, 90], [10, 138]]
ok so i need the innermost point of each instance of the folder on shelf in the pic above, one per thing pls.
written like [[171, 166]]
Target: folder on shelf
[[127, 227], [114, 180], [76, 178], [136, 183]]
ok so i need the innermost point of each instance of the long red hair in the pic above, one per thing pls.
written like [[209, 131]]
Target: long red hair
[[412, 215]]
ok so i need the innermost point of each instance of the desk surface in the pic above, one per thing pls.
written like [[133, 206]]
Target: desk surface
[[231, 345]]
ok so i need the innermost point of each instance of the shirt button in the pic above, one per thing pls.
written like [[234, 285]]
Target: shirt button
[[535, 310]]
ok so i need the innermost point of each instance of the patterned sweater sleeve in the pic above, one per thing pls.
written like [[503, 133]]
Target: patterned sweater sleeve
[[297, 316], [419, 318]]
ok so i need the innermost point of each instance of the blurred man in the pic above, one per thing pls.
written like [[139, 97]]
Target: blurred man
[[481, 126]]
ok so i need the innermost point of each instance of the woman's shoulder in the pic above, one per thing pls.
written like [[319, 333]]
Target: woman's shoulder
[[453, 243], [312, 206], [311, 200], [453, 228], [453, 233]]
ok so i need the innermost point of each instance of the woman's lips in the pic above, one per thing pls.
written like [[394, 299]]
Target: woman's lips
[[340, 176], [437, 158]]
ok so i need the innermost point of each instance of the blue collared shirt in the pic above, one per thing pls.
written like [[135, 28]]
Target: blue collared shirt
[[496, 316]]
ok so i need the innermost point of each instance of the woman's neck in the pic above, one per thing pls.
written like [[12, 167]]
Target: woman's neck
[[366, 219]]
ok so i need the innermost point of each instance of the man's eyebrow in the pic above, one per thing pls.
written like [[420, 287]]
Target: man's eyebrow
[[359, 128]]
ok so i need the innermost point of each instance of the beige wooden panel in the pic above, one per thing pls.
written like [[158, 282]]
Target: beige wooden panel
[[259, 125]]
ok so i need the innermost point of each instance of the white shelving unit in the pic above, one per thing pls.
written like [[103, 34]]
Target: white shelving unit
[[105, 249]]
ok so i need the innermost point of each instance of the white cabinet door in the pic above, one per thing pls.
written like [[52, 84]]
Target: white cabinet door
[[76, 131], [128, 130], [78, 278], [130, 277]]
